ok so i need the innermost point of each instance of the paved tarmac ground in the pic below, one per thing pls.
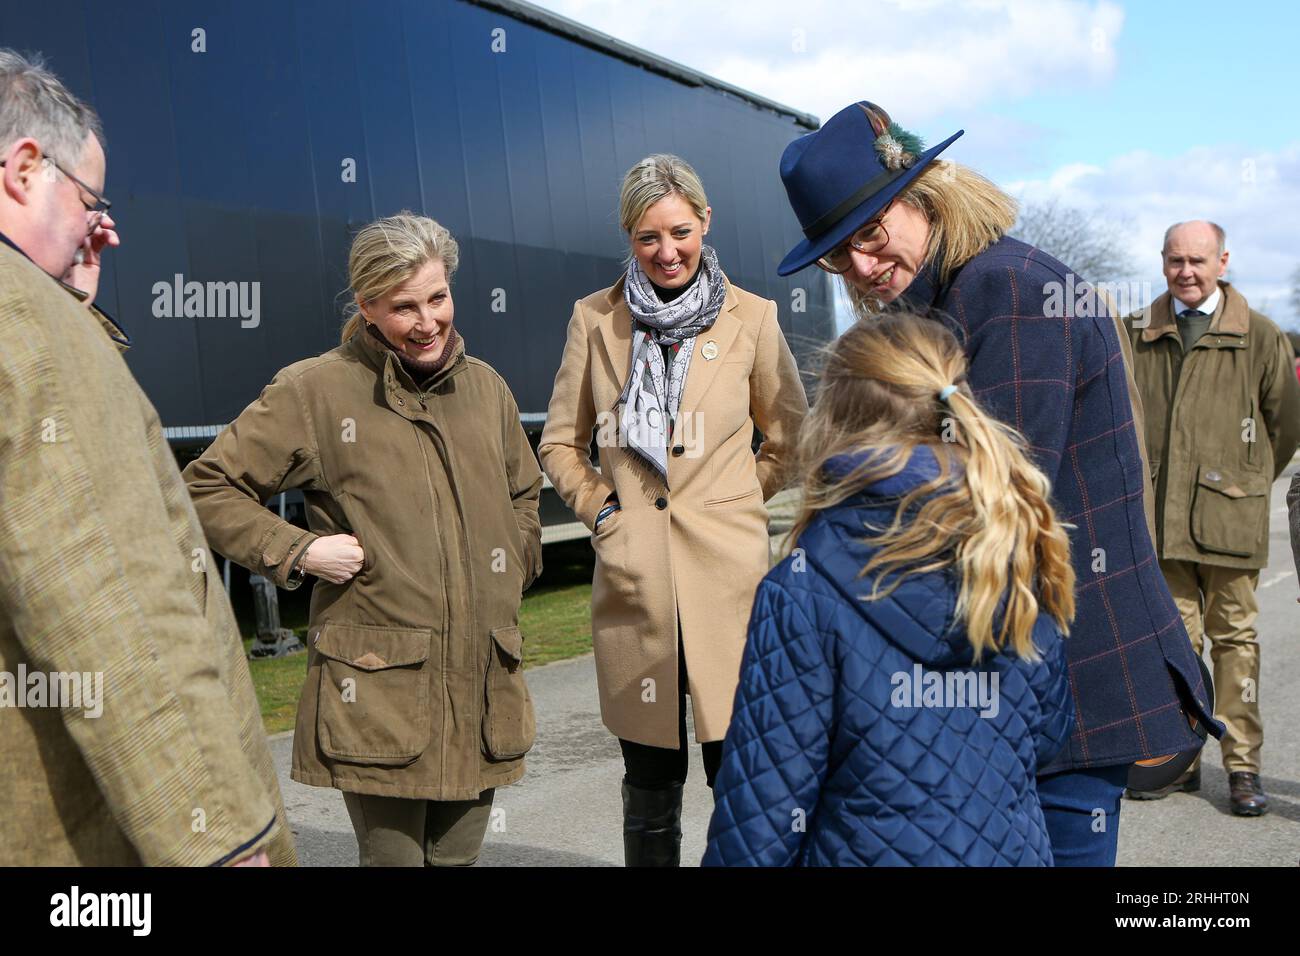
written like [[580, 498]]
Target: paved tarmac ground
[[1198, 829], [567, 810]]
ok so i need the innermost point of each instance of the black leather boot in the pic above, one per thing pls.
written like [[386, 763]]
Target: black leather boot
[[652, 826]]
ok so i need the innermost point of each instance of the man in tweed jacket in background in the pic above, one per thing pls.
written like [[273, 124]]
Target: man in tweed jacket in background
[[1218, 387]]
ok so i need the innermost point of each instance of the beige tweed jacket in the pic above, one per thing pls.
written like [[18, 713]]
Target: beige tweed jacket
[[104, 570]]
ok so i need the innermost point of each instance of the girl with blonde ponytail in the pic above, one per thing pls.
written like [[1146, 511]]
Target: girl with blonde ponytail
[[904, 676], [893, 384]]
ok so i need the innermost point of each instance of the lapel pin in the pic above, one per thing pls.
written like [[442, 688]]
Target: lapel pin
[[710, 350]]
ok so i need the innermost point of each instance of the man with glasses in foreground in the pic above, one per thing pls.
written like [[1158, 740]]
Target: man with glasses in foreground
[[129, 730], [47, 244], [897, 225]]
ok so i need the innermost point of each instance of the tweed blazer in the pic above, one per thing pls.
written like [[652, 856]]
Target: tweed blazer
[[1058, 375], [105, 570]]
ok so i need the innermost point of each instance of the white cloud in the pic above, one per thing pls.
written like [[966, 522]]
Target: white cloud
[[1254, 195], [916, 58], [923, 58]]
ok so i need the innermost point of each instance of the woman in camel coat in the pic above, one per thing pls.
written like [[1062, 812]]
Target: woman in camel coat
[[677, 506]]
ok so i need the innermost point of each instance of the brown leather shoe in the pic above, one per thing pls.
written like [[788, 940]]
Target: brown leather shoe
[[1190, 782], [1248, 798]]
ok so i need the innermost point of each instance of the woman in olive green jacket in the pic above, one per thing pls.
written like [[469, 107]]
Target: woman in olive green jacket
[[421, 494]]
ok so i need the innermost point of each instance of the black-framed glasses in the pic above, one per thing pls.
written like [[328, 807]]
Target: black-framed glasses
[[870, 239], [98, 209]]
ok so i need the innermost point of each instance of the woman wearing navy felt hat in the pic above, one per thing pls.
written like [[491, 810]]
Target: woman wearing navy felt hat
[[898, 224]]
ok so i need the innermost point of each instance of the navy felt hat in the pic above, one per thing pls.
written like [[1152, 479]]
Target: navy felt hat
[[842, 175]]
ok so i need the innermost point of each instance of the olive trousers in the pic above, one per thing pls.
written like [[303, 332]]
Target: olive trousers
[[398, 831], [1219, 604]]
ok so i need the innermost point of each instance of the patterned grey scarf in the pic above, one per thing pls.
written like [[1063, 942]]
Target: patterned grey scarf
[[652, 396]]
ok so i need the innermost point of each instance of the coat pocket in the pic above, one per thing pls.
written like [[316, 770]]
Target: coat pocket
[[613, 576], [1230, 511], [509, 724], [359, 530], [374, 693], [734, 496]]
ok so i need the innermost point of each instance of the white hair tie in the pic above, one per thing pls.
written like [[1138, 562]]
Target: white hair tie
[[946, 392]]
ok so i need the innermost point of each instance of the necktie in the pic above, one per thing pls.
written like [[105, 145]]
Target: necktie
[[1190, 313]]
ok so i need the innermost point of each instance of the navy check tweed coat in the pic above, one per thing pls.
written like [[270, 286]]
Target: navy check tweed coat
[[829, 760], [1060, 381]]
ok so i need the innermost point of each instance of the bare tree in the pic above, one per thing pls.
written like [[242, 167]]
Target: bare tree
[[1295, 292], [1092, 246]]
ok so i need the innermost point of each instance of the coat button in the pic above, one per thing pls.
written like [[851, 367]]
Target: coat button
[[661, 503], [679, 450]]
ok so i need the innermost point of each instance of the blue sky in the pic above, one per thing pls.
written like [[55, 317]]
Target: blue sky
[[1139, 113], [1188, 73]]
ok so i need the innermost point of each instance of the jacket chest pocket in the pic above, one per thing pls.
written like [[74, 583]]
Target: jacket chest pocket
[[1230, 510], [374, 693], [509, 724]]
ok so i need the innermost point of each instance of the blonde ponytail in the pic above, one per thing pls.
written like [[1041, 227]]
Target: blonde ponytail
[[987, 513], [1016, 542]]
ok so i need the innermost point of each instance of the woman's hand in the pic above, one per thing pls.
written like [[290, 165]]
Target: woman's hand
[[610, 508], [336, 557]]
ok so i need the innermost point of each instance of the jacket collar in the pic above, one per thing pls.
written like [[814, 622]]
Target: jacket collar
[[1228, 330], [923, 291], [114, 331], [10, 243], [387, 365], [616, 333], [919, 616], [922, 466]]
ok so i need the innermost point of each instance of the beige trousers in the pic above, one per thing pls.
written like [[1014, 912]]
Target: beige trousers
[[1219, 604], [397, 831]]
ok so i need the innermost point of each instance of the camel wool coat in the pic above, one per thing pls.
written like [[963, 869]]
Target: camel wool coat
[[693, 550]]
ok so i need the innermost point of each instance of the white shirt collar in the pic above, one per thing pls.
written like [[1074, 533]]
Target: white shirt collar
[[1208, 306]]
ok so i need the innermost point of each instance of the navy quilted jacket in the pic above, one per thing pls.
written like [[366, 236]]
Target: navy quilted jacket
[[841, 751]]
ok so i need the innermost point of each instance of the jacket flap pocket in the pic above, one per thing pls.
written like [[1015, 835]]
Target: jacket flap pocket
[[509, 724], [1234, 484], [370, 647], [510, 641]]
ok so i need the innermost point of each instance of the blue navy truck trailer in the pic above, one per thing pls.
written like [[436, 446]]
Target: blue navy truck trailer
[[249, 140]]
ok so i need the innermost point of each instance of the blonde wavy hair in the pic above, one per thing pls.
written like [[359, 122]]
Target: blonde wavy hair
[[987, 513], [966, 213], [389, 251], [653, 178]]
